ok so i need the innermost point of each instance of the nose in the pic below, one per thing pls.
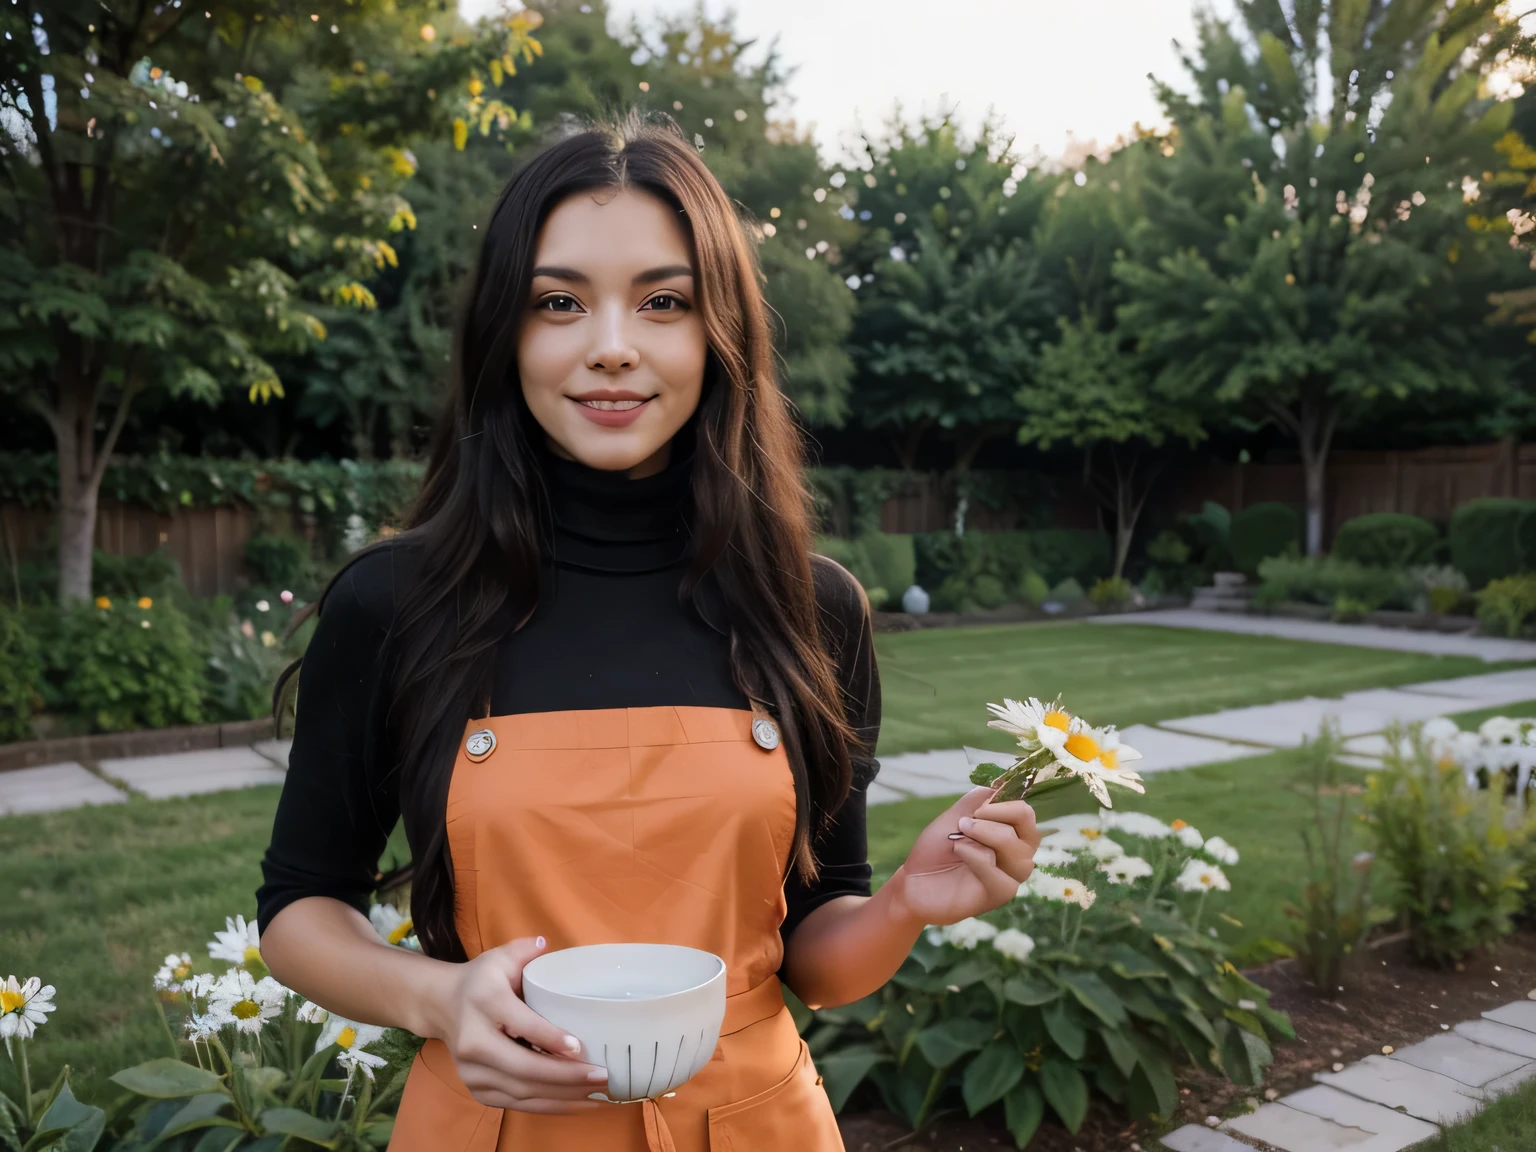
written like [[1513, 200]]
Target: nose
[[611, 350]]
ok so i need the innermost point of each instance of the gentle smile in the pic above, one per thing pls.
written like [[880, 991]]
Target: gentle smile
[[613, 405]]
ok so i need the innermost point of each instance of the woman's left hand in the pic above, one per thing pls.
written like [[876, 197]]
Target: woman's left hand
[[944, 880]]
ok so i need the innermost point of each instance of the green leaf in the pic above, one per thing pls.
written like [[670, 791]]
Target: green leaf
[[1120, 1049], [1062, 1023], [1030, 991], [991, 1075], [166, 1079], [1154, 1068], [292, 1122], [264, 1079], [84, 1122], [1023, 1109], [44, 1138], [378, 1132], [945, 1042], [845, 1069], [196, 1113], [219, 1140], [1096, 996], [1127, 962], [1066, 1091]]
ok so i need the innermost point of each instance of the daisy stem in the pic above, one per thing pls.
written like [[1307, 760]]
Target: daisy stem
[[26, 1079], [1077, 927], [166, 1024], [1200, 907]]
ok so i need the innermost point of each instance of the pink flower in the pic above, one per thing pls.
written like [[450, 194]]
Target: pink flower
[[249, 629], [285, 596]]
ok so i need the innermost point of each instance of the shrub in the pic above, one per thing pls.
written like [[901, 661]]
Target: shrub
[[1507, 607], [21, 672], [1044, 1002], [851, 554], [1033, 589], [132, 576], [1068, 592], [279, 561], [1386, 540], [1443, 588], [1056, 553], [1261, 531], [1080, 554], [954, 595], [1210, 534], [1348, 610], [132, 665], [892, 562], [1455, 858], [988, 591], [1172, 569], [1326, 581], [1111, 593], [1493, 537]]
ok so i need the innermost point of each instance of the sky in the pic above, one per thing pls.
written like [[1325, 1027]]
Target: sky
[[1058, 72]]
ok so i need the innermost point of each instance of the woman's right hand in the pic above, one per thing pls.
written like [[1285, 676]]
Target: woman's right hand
[[482, 1010]]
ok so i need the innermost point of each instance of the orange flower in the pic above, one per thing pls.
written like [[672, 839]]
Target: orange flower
[[1177, 824], [146, 602], [103, 603]]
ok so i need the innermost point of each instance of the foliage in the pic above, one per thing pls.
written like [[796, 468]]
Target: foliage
[[853, 555], [1443, 588], [278, 560], [125, 664], [1069, 591], [1209, 535], [1454, 855], [1261, 531], [892, 561], [1493, 537], [1386, 540], [1111, 593], [1325, 580], [1070, 553], [21, 671], [131, 577], [1171, 570], [1044, 1002], [1507, 607], [1335, 912], [1033, 589]]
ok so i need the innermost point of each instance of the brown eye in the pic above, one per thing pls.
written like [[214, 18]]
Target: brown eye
[[558, 303], [672, 303]]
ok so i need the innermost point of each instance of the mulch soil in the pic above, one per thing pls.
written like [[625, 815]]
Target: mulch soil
[[1393, 1002]]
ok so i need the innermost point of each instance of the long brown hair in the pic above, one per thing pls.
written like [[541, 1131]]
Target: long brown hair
[[478, 532]]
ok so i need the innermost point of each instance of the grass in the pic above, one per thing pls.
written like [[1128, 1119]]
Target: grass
[[94, 898], [1506, 1125], [936, 682]]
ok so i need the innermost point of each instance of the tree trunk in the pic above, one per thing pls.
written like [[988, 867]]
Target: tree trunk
[[1315, 437], [78, 486], [906, 446]]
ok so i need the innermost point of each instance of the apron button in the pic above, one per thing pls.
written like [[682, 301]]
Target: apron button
[[766, 733], [480, 745]]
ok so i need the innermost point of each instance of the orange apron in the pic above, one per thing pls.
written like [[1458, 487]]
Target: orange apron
[[661, 824]]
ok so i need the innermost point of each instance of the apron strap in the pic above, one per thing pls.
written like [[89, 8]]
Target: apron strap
[[658, 1137]]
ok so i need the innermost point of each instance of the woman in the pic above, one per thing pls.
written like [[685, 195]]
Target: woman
[[609, 691]]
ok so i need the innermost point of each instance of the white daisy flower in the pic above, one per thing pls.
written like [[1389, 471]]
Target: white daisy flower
[[1502, 730], [1103, 848], [1198, 876], [355, 1059], [1136, 824], [1220, 851], [203, 1025], [174, 971], [1188, 835], [311, 1013], [353, 1038], [24, 1006], [1440, 729], [1059, 889], [1014, 944], [239, 943], [967, 933], [1094, 756], [1049, 855], [934, 934], [392, 925], [1126, 869], [1072, 825], [1032, 722], [240, 999]]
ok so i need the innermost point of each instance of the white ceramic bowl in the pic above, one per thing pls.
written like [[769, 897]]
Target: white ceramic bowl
[[651, 1013]]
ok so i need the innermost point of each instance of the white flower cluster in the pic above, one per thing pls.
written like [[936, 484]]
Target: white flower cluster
[[1501, 744], [1087, 835], [970, 932]]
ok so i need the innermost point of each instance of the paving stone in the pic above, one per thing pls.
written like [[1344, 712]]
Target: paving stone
[[1490, 690], [274, 750], [884, 794], [1460, 1059], [1194, 1138], [1282, 725], [915, 785], [1503, 1084], [1162, 750], [1353, 1124], [1374, 746], [192, 773], [1427, 1095], [53, 788], [1491, 1034], [1520, 1014], [950, 764]]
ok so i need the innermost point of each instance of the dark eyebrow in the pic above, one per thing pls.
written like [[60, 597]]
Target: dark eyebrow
[[650, 276]]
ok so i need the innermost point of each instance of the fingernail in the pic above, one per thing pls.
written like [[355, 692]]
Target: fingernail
[[573, 1044], [598, 1074], [539, 942], [965, 823]]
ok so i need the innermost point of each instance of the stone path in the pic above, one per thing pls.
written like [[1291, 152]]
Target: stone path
[[1385, 1103], [1490, 649]]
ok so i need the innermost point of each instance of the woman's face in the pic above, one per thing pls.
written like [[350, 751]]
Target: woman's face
[[611, 350]]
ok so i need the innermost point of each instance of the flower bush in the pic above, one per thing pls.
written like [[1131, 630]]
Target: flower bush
[[1455, 847], [1507, 607], [259, 1066], [1098, 977], [130, 664], [21, 671]]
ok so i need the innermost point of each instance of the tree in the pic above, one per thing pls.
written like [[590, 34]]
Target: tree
[[183, 184], [1306, 254]]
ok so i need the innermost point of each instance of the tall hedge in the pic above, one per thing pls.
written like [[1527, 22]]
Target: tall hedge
[[1261, 531], [1386, 540], [1493, 537]]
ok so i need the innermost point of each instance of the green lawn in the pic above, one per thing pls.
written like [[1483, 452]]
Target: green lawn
[[94, 898], [1506, 1125], [936, 683]]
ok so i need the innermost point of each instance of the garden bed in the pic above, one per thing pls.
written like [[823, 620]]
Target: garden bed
[[1395, 1002], [146, 742], [1007, 614], [1383, 618]]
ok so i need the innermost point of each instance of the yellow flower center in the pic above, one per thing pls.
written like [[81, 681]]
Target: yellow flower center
[[246, 1010], [1205, 878], [401, 931], [1177, 824], [1069, 892], [1092, 833], [182, 971], [1059, 720], [252, 954], [347, 1038], [1083, 746], [11, 1002], [1110, 758]]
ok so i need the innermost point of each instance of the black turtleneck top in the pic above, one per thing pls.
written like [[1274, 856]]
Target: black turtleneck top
[[608, 632]]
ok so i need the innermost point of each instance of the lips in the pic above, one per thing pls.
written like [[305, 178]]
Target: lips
[[612, 411]]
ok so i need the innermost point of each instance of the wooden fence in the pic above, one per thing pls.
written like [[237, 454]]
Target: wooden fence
[[209, 543]]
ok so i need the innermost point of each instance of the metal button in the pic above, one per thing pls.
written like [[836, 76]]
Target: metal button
[[480, 745], [766, 733]]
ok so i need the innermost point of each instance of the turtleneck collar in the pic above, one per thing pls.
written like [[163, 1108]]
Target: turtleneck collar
[[606, 522]]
